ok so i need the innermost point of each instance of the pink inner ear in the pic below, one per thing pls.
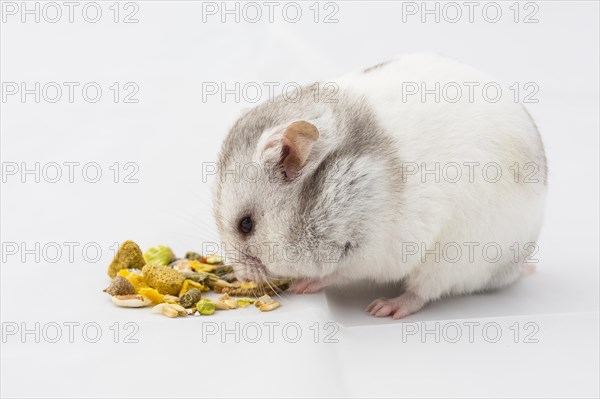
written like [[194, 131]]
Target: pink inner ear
[[290, 161], [296, 143]]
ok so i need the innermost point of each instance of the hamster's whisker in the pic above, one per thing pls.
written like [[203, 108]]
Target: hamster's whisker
[[274, 289]]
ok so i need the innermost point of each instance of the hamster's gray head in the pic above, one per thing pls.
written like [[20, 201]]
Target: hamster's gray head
[[294, 196]]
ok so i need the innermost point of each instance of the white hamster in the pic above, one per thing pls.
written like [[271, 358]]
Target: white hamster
[[414, 172]]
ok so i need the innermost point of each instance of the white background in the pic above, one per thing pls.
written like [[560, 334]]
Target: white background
[[171, 131]]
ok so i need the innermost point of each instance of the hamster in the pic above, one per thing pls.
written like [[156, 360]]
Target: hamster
[[358, 179]]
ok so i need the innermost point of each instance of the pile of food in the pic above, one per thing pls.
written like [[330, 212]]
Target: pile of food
[[179, 287]]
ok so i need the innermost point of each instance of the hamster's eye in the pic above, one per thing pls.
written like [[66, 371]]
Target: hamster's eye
[[246, 224]]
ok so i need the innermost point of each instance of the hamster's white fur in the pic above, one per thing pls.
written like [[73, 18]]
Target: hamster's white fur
[[456, 226]]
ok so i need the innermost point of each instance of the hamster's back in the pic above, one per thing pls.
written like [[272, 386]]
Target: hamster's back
[[454, 115], [426, 98]]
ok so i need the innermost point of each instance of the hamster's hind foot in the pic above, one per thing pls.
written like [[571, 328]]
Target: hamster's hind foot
[[399, 307]]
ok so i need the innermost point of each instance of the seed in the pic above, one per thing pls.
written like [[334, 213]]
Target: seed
[[169, 311], [131, 301], [221, 283], [180, 309], [270, 306], [255, 289], [176, 285], [263, 300], [232, 303], [171, 299], [249, 285], [158, 308], [220, 305]]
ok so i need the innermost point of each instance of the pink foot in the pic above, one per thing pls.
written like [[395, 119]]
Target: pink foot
[[399, 307], [306, 286]]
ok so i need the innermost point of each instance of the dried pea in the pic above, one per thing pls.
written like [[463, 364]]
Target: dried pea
[[205, 307], [159, 255], [245, 302], [164, 277]]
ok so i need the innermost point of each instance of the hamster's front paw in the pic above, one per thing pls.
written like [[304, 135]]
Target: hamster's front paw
[[307, 286], [397, 308]]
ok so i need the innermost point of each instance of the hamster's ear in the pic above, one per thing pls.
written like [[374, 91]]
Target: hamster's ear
[[298, 140], [289, 146]]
